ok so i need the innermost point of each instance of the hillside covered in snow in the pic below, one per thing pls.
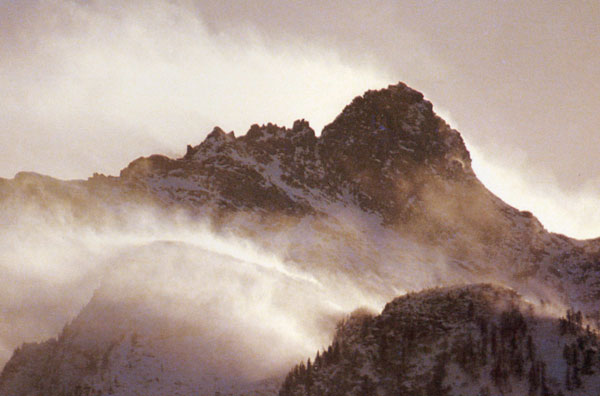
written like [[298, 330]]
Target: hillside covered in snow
[[217, 271], [470, 340]]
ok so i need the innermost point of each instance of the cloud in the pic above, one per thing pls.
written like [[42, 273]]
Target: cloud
[[93, 86], [510, 174], [571, 212]]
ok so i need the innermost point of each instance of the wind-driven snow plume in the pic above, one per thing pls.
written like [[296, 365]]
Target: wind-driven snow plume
[[243, 299], [247, 310], [242, 296]]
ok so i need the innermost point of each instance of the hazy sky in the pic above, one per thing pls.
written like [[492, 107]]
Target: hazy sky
[[91, 85]]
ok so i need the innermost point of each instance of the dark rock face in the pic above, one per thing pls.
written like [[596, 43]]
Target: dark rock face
[[389, 144], [394, 125]]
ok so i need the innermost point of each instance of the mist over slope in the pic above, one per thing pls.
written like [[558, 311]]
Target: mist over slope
[[246, 251]]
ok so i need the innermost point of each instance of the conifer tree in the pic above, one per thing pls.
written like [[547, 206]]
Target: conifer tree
[[567, 354], [335, 356], [578, 319], [317, 360], [586, 368], [308, 381], [545, 390], [494, 341], [530, 349], [367, 387], [533, 379], [576, 378]]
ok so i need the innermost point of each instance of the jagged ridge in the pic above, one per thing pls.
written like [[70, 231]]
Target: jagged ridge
[[373, 148]]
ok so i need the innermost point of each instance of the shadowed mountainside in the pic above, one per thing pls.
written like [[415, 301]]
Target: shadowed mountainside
[[469, 340]]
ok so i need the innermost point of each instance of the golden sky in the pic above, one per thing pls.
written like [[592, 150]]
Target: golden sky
[[90, 85]]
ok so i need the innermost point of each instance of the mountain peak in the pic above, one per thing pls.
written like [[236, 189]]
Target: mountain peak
[[218, 134], [394, 108], [393, 124], [376, 153]]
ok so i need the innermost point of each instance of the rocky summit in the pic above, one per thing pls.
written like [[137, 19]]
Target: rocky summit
[[373, 154]]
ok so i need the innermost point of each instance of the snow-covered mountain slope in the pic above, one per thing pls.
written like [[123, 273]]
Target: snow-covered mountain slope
[[384, 201], [174, 319], [469, 340], [386, 164]]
